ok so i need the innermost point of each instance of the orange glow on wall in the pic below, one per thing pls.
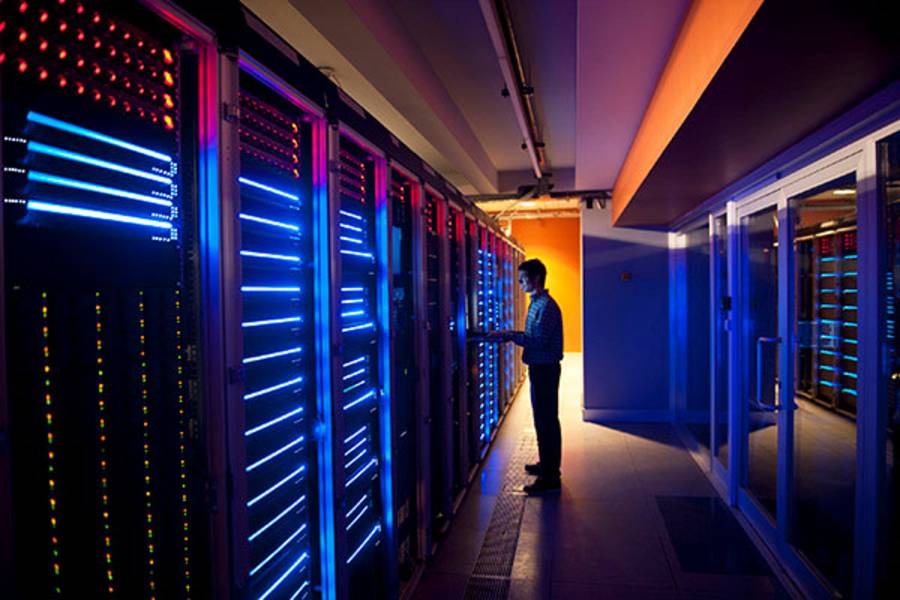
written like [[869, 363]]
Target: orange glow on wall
[[557, 242], [710, 30]]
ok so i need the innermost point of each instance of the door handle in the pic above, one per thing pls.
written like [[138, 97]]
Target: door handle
[[757, 402]]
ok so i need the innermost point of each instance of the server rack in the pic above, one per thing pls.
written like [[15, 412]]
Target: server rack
[[409, 349], [275, 353], [456, 223], [828, 313], [441, 415], [101, 160], [361, 361]]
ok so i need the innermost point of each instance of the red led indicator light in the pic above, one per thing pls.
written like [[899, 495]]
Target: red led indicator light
[[62, 54], [167, 57], [42, 74], [2, 57], [44, 16], [168, 79], [79, 9], [167, 101], [62, 81], [43, 45], [63, 26], [79, 88], [112, 26], [23, 6], [111, 100], [80, 35], [23, 66], [170, 124], [96, 18], [2, 26], [79, 63], [97, 96], [23, 35]]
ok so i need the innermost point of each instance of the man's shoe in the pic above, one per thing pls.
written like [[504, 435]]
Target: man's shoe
[[533, 469], [543, 486]]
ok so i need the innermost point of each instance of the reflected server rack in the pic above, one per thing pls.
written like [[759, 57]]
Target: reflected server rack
[[236, 310], [827, 263]]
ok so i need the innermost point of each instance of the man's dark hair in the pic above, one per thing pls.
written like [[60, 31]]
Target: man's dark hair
[[533, 267]]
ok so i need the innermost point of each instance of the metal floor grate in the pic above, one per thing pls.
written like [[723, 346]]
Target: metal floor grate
[[490, 576]]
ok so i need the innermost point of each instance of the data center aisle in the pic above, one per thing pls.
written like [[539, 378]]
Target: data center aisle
[[637, 518]]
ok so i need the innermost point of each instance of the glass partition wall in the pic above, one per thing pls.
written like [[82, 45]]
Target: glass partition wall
[[786, 363]]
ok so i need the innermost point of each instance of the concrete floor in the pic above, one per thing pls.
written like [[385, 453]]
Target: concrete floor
[[632, 521]]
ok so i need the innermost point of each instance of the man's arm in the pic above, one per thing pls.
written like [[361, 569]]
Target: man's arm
[[549, 321]]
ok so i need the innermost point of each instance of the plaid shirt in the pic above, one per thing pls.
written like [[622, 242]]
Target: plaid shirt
[[542, 339]]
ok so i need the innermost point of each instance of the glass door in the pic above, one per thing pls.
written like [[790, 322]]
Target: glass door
[[798, 307], [721, 314], [760, 349]]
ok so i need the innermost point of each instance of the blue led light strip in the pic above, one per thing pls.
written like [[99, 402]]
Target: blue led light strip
[[268, 188], [267, 255], [273, 388], [275, 454], [271, 222], [358, 327], [360, 400], [357, 505], [359, 254], [46, 121], [375, 531], [358, 432], [265, 322], [277, 485], [88, 213], [40, 177], [360, 473], [274, 421], [284, 576], [275, 552], [355, 447], [278, 517], [268, 288], [259, 357], [39, 148]]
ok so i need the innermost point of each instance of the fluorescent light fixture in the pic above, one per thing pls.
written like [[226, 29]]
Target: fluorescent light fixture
[[844, 192], [84, 159], [268, 188], [75, 184], [94, 135], [74, 211]]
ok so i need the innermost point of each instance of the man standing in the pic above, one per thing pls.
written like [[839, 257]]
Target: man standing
[[542, 342]]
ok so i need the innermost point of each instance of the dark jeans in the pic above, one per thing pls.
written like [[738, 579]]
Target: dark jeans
[[545, 406]]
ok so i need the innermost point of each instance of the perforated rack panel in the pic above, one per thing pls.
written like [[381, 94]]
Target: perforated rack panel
[[278, 345], [360, 351]]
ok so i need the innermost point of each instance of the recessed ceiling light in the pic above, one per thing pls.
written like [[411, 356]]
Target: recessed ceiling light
[[844, 192]]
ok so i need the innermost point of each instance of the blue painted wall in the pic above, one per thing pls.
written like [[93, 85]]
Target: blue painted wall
[[626, 320]]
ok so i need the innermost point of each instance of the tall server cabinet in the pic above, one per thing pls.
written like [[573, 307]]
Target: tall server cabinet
[[271, 332], [456, 318], [408, 349], [100, 162], [361, 376], [441, 416]]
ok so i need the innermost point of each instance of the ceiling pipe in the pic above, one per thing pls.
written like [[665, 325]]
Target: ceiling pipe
[[503, 37]]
